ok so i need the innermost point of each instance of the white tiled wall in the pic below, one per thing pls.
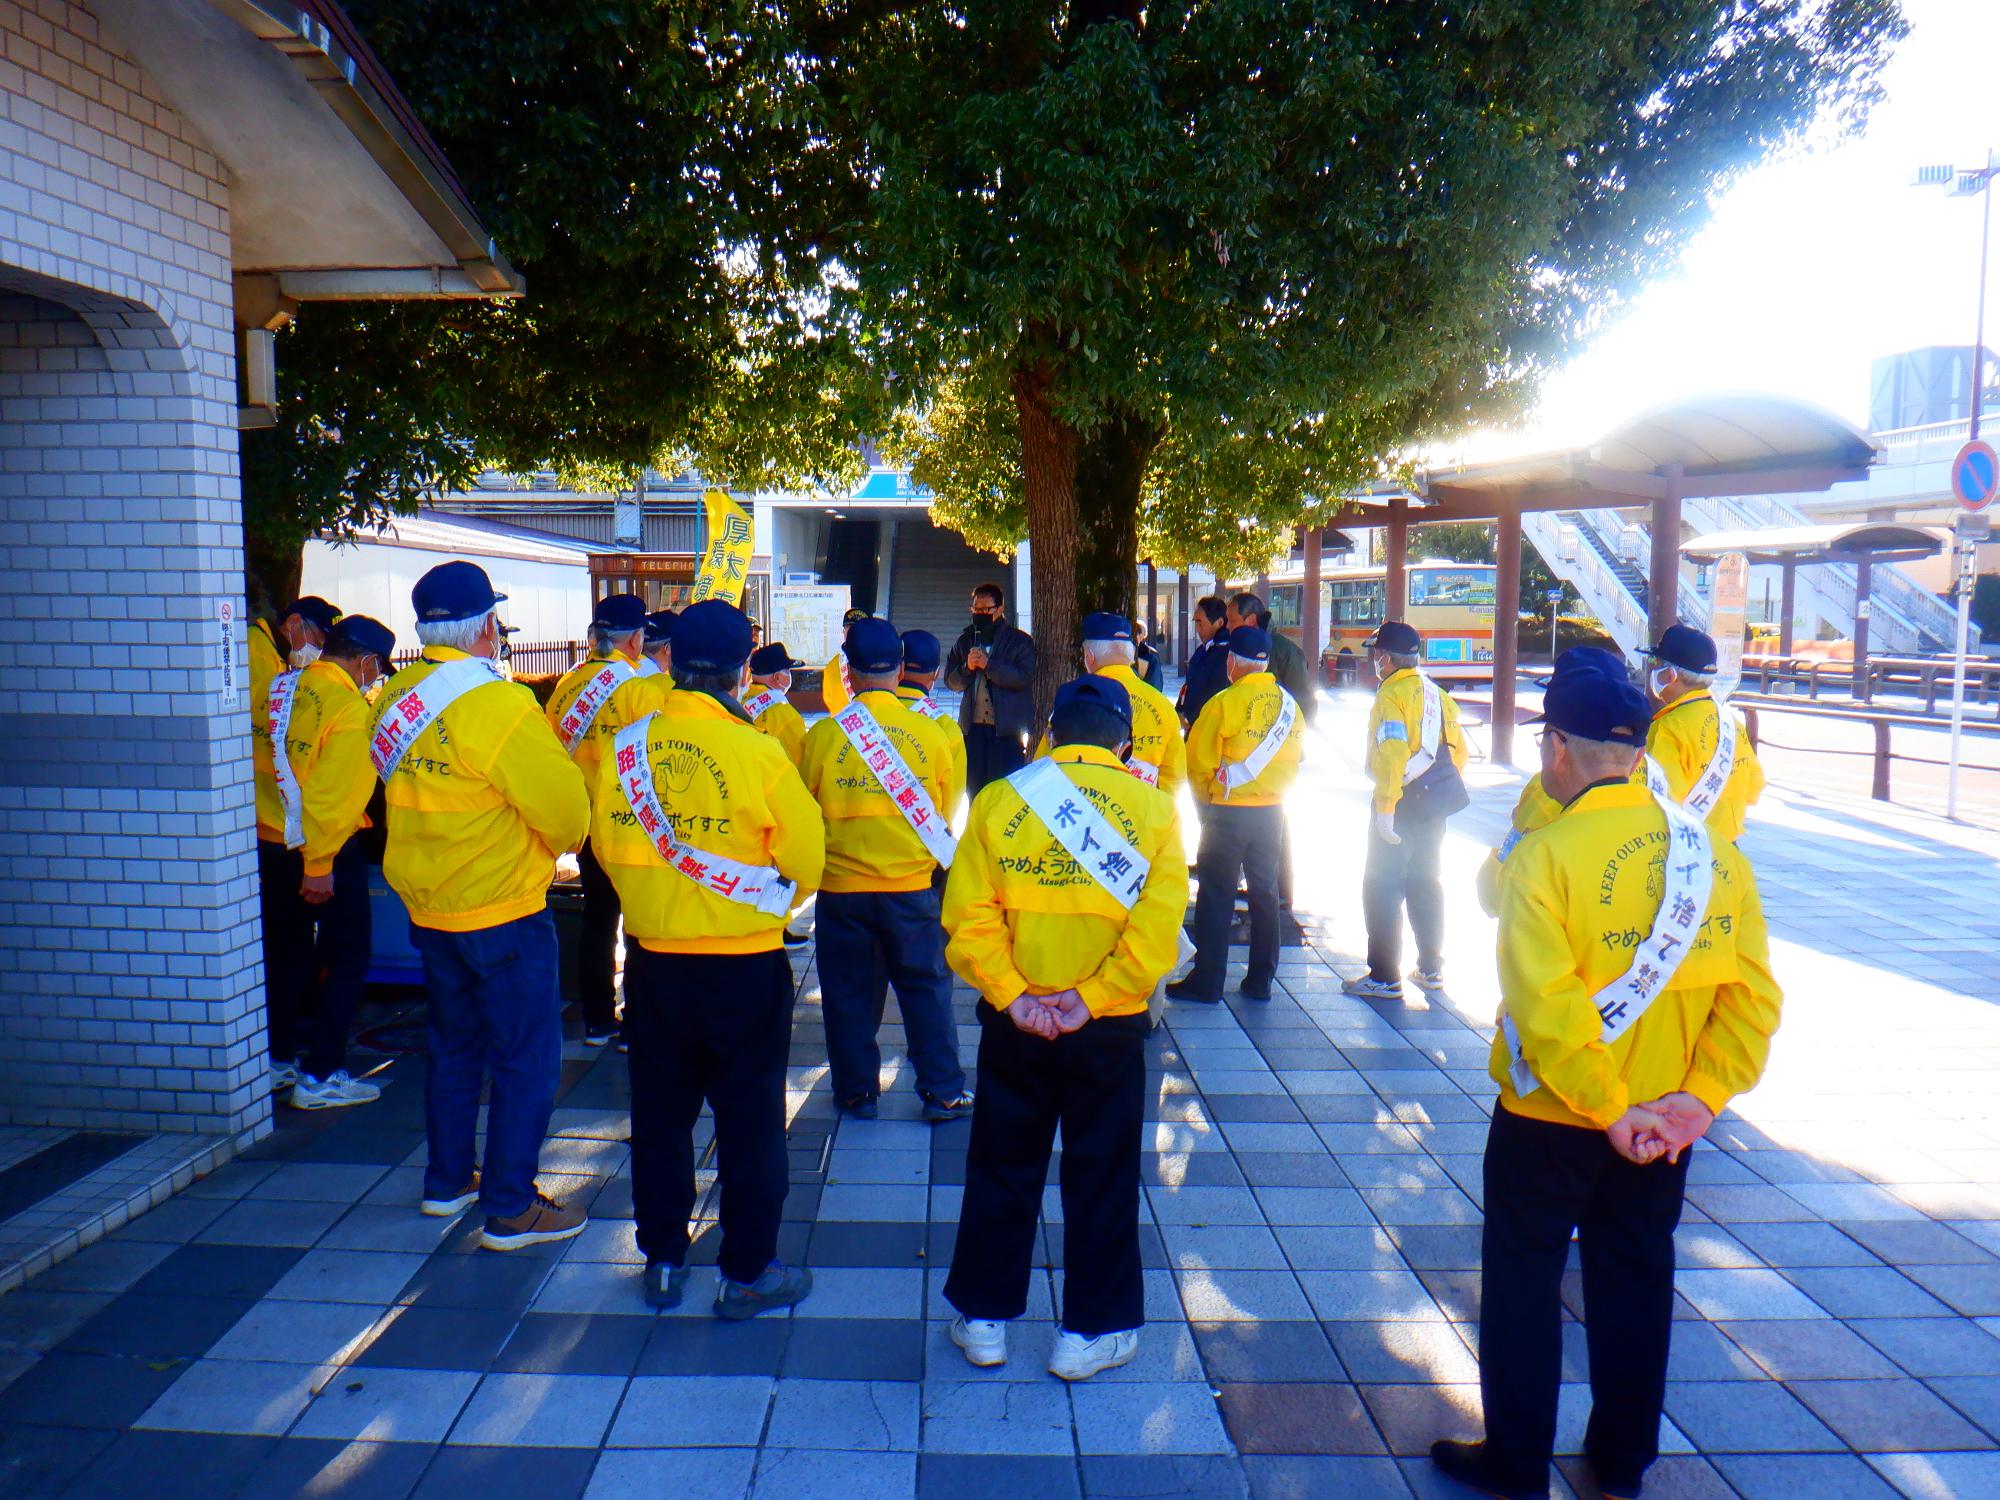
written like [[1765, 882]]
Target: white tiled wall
[[130, 984]]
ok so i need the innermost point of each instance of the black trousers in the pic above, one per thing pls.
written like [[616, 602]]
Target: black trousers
[[1542, 1181], [989, 755], [315, 957], [867, 940], [1092, 1082], [597, 950], [711, 1027], [1235, 840], [1403, 875]]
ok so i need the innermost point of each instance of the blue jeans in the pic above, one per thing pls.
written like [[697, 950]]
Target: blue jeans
[[868, 939], [495, 1010]]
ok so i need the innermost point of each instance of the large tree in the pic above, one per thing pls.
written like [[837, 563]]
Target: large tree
[[653, 169], [1211, 259]]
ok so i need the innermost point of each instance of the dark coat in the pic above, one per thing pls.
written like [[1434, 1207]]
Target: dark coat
[[1207, 675], [1288, 665], [1009, 674]]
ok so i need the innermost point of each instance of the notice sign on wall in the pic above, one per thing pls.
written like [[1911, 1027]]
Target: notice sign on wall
[[1725, 619], [225, 651]]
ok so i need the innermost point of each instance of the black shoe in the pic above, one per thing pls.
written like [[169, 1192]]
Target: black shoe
[[797, 939], [1255, 987], [943, 1111], [780, 1286], [1200, 991], [595, 1035], [860, 1107], [665, 1283], [1618, 1481], [1467, 1463], [623, 1045]]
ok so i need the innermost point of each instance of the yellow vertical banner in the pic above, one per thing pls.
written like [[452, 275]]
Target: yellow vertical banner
[[725, 560]]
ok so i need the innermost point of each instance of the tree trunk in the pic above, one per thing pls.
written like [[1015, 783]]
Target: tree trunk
[[1049, 448], [271, 573], [1111, 466]]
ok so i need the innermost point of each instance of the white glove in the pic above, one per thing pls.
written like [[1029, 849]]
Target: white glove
[[1385, 828]]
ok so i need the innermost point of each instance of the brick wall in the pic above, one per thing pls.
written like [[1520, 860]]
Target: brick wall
[[130, 984]]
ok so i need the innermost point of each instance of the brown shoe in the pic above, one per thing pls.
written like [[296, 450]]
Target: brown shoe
[[456, 1204], [545, 1222]]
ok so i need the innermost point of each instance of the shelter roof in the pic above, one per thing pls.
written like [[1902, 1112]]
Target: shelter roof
[[1878, 541]]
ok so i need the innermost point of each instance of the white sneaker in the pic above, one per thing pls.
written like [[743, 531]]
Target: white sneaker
[[283, 1076], [1430, 981], [1078, 1358], [1367, 987], [983, 1340], [335, 1091]]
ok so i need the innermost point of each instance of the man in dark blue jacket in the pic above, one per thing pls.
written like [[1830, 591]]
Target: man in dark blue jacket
[[1207, 671]]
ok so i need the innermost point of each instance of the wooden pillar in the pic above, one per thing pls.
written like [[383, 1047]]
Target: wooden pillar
[[1397, 559], [1309, 622], [1183, 622], [1864, 577], [1663, 585], [1506, 632], [1789, 602]]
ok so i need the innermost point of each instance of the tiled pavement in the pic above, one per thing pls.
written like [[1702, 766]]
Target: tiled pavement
[[290, 1325]]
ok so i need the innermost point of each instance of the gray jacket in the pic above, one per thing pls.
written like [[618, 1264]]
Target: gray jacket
[[1009, 676]]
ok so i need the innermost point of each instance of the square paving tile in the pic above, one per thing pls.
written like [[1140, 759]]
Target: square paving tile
[[172, 1466], [1826, 1349], [1794, 1476], [1973, 1290], [1734, 1417], [855, 1348], [682, 1473], [1298, 1417], [402, 1406], [369, 1276], [244, 1272], [1746, 1295], [1166, 1476], [1220, 1296], [1933, 1346], [438, 1338], [854, 1415], [1412, 1417], [299, 1332], [506, 1474], [996, 1417], [539, 1411], [1308, 1478], [990, 1476], [701, 1411], [807, 1474], [1369, 1296], [140, 1323], [1889, 1416], [1975, 1396], [1866, 1292], [709, 1346], [268, 1222], [574, 1344], [1941, 1476], [233, 1395], [1147, 1418], [1404, 1353]]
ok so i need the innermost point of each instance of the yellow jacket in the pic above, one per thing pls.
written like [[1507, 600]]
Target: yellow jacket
[[1024, 919], [1232, 724], [267, 660], [1534, 809], [1396, 732], [1156, 730], [730, 791], [480, 806], [1580, 895], [328, 752], [954, 743], [869, 844], [596, 742], [1682, 739], [787, 726]]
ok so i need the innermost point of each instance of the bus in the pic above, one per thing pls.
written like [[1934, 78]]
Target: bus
[[1451, 607]]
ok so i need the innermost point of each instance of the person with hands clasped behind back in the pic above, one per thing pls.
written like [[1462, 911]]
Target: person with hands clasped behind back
[[1637, 1000], [1064, 906]]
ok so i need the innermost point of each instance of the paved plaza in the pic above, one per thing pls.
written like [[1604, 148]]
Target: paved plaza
[[291, 1326]]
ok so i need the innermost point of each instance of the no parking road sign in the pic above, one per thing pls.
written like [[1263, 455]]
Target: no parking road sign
[[1975, 475]]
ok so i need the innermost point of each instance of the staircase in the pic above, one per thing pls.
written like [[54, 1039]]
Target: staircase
[[1612, 588]]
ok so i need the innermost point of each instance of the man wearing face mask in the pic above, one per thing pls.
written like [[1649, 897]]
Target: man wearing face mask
[[768, 702], [482, 798], [295, 641], [993, 665], [311, 804], [1700, 744]]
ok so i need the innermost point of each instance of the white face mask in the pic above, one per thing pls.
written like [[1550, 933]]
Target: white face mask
[[303, 656], [1658, 680]]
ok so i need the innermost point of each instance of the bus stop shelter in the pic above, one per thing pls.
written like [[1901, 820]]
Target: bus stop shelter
[[1861, 544], [1717, 446]]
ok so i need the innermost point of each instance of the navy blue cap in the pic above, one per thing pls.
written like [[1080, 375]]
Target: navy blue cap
[[1103, 691], [1105, 626], [873, 647], [1394, 635], [766, 660], [1591, 659], [660, 627], [712, 636], [313, 610], [1250, 643], [453, 591], [922, 652], [1596, 706], [620, 612], [1685, 647], [359, 634], [852, 615]]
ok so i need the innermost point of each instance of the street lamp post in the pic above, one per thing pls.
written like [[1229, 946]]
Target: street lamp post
[[1967, 526]]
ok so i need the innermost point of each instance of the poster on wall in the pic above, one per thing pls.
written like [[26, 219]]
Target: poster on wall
[[225, 630], [1725, 619], [807, 618]]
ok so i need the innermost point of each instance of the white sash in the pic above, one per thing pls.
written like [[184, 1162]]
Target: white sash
[[1145, 770], [279, 720], [1701, 797], [1689, 877], [647, 667], [400, 722], [878, 753], [590, 700], [1242, 772], [758, 887], [761, 702], [1425, 755], [1099, 850], [924, 704]]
